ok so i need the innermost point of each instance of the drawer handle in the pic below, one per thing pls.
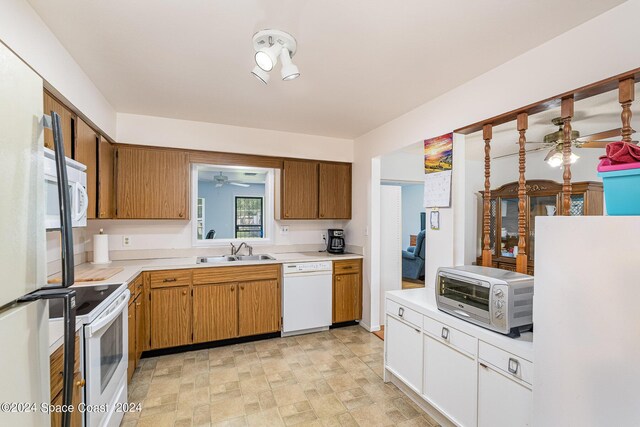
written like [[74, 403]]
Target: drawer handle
[[173, 279], [513, 365], [401, 312], [444, 334]]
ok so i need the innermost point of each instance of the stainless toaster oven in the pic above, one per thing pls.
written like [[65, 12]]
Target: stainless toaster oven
[[496, 299]]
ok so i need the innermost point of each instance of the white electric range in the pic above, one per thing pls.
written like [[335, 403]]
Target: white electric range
[[102, 311]]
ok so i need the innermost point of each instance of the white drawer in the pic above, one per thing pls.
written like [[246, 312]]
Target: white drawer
[[506, 362], [408, 315], [455, 338]]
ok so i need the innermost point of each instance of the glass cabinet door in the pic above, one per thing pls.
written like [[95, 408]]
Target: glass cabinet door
[[508, 227], [539, 206], [577, 205]]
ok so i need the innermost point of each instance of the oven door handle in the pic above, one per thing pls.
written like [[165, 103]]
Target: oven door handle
[[95, 327], [462, 313]]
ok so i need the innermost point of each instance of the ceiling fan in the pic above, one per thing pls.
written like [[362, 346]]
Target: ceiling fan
[[554, 140], [221, 180]]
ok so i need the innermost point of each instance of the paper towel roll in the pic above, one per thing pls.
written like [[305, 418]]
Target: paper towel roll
[[101, 249]]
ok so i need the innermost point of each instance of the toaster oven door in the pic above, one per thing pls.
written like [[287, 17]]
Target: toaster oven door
[[465, 298]]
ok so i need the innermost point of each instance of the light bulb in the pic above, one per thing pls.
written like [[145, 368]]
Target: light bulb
[[289, 70], [267, 57]]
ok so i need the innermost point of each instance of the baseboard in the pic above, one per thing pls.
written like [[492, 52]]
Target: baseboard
[[368, 327]]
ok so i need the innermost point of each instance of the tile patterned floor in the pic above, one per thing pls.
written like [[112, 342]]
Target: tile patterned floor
[[331, 378]]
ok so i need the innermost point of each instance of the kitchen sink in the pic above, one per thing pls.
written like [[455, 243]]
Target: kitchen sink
[[215, 259], [255, 258], [232, 258]]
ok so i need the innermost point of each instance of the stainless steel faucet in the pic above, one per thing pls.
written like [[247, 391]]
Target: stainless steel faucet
[[234, 250]]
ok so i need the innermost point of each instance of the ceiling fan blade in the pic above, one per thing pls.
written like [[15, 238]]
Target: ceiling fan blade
[[599, 144], [533, 150], [594, 144], [600, 135], [238, 184]]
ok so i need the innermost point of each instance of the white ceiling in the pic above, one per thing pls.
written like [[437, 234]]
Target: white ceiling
[[363, 62]]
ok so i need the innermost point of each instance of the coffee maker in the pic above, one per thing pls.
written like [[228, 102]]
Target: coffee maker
[[335, 244]]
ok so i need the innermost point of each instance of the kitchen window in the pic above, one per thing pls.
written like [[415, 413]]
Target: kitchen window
[[232, 204], [249, 217]]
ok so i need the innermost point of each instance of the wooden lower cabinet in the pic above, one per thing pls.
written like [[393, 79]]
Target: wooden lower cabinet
[[211, 304], [215, 312], [347, 290], [140, 327], [258, 303], [56, 366], [171, 317]]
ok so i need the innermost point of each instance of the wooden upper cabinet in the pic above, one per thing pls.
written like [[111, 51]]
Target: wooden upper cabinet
[[299, 192], [67, 119], [258, 304], [152, 183], [335, 191], [106, 179], [86, 152]]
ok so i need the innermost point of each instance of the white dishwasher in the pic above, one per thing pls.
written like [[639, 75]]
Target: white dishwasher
[[306, 297]]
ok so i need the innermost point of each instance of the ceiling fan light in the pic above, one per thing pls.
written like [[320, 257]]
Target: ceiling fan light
[[289, 70], [267, 57], [554, 158], [574, 158], [260, 74]]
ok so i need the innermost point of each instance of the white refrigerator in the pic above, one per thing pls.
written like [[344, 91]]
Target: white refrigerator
[[24, 330]]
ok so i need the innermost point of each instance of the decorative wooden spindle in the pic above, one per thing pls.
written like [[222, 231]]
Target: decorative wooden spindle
[[486, 213], [521, 258], [625, 97], [566, 112]]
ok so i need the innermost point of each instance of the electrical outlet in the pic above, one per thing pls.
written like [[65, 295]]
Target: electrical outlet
[[126, 241], [323, 236], [284, 229]]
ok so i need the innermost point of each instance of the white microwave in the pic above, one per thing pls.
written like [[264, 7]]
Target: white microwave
[[79, 200]]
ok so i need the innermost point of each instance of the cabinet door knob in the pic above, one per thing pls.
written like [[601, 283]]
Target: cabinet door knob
[[184, 292], [80, 383], [180, 214], [233, 289], [321, 215], [242, 288], [338, 278], [138, 304]]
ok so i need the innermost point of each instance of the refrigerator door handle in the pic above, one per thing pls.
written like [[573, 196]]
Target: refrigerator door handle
[[66, 231], [69, 350]]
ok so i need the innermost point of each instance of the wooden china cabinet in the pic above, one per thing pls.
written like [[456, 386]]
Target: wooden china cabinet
[[543, 198]]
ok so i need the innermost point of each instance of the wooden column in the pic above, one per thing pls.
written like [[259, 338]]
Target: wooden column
[[566, 112], [521, 258], [486, 213], [625, 97]]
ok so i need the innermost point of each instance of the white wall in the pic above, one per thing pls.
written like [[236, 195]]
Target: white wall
[[595, 55], [24, 32], [402, 166], [148, 130]]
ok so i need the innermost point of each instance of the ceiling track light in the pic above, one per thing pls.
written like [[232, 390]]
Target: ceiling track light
[[269, 46]]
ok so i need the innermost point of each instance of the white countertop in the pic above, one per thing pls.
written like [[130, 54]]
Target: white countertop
[[423, 301], [132, 268]]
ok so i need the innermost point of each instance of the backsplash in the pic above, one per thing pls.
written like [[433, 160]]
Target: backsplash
[[165, 238], [54, 264]]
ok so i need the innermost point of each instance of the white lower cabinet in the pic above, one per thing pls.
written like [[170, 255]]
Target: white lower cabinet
[[450, 381], [502, 401], [403, 352]]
